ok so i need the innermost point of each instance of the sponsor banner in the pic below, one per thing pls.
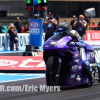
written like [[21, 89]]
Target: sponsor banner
[[36, 32], [97, 55], [22, 41], [34, 63], [21, 63], [2, 41], [92, 37]]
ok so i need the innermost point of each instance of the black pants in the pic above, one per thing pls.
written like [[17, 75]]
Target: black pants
[[12, 42], [82, 34]]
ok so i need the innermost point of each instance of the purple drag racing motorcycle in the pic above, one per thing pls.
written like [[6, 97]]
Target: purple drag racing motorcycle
[[64, 65]]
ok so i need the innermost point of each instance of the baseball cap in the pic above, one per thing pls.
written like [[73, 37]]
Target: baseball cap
[[11, 24], [50, 13], [18, 18], [74, 16]]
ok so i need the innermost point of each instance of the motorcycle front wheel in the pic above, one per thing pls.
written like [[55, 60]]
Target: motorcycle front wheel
[[52, 76]]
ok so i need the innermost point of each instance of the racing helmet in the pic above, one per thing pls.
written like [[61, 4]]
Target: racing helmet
[[63, 27]]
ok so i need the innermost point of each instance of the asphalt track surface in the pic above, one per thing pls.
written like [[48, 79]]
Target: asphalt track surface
[[67, 93]]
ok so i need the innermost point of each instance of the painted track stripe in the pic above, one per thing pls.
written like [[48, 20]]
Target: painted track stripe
[[20, 79]]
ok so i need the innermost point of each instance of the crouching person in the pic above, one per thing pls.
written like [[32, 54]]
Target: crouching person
[[13, 36]]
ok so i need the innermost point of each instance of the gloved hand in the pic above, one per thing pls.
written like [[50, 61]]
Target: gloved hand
[[75, 35], [80, 44]]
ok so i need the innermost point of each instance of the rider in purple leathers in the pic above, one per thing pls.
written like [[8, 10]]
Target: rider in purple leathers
[[65, 27]]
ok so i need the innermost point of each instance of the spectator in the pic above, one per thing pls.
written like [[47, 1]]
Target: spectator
[[25, 29], [12, 36], [72, 23], [93, 25], [18, 25], [57, 18], [50, 23], [98, 24], [22, 29], [88, 22], [98, 27], [80, 25], [44, 27], [4, 29]]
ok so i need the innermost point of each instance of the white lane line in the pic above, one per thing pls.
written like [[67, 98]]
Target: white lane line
[[40, 74], [10, 52], [1, 73], [12, 74], [29, 75], [21, 79]]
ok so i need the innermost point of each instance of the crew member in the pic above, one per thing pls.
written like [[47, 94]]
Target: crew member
[[80, 25], [50, 23], [13, 36], [18, 25]]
